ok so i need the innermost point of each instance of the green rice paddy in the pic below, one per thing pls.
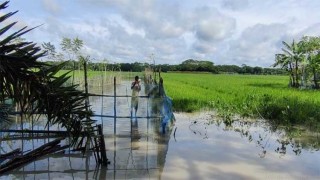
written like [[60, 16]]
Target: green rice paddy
[[257, 96], [261, 96]]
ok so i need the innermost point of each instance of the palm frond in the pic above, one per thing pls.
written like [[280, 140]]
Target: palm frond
[[35, 87], [286, 45], [6, 28], [287, 52]]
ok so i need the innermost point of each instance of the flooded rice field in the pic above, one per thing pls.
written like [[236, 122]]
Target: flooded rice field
[[204, 148], [197, 146]]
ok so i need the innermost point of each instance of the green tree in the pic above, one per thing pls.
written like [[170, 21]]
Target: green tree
[[50, 49], [289, 60], [35, 88], [196, 65], [311, 50], [257, 70], [71, 47]]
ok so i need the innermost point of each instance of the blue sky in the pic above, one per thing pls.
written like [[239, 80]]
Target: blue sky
[[222, 31]]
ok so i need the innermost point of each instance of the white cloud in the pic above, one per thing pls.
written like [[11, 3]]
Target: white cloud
[[312, 30], [214, 28], [235, 4], [203, 47], [169, 30], [225, 31], [189, 38], [258, 44], [51, 6]]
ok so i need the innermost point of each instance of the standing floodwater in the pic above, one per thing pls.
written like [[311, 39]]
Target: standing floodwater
[[205, 148], [201, 147], [136, 147]]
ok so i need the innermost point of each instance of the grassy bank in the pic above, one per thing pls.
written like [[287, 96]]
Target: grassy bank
[[246, 95]]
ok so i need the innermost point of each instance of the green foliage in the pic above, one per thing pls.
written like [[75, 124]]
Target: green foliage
[[35, 87], [196, 65], [245, 95], [302, 61], [139, 67], [50, 49], [71, 47]]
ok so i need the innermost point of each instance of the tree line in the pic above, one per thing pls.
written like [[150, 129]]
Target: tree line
[[70, 53], [183, 67]]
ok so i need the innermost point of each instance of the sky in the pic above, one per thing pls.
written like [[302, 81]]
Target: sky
[[233, 32]]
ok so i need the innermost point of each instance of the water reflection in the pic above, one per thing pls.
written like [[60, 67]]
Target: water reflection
[[203, 147], [262, 133], [247, 149], [136, 148]]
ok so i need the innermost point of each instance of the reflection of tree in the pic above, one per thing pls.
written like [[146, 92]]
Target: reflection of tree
[[285, 139], [262, 134]]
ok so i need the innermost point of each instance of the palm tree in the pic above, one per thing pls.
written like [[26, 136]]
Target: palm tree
[[284, 61], [289, 60], [35, 88]]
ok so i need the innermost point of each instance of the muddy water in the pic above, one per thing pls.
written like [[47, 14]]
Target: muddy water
[[198, 147], [206, 149], [136, 148]]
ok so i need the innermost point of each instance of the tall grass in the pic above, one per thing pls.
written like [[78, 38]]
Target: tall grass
[[246, 95]]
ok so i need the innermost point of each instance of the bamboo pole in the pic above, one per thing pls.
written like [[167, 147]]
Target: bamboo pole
[[110, 116], [43, 150], [86, 84], [102, 86], [104, 159], [11, 153], [115, 105], [74, 66], [105, 95], [114, 131], [34, 131]]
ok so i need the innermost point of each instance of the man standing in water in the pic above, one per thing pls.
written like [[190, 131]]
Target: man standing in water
[[135, 86]]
